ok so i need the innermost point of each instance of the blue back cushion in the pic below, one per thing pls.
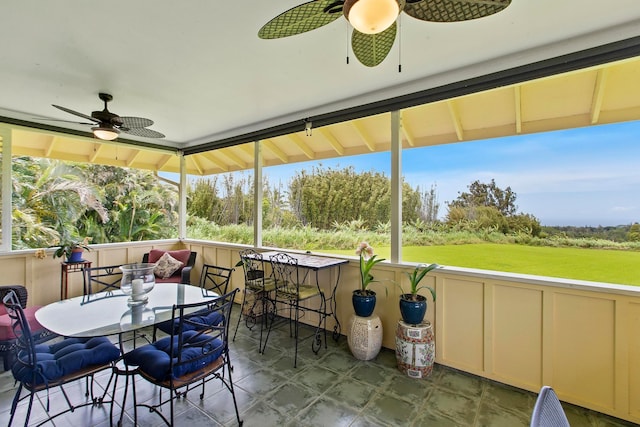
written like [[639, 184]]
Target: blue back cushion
[[65, 357], [155, 358], [208, 317]]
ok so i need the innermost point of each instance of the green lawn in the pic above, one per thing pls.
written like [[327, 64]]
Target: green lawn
[[597, 265]]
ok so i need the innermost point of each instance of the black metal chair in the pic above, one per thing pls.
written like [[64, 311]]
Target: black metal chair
[[213, 278], [290, 291], [548, 411], [195, 352], [101, 279], [216, 279], [42, 367], [7, 337], [257, 297]]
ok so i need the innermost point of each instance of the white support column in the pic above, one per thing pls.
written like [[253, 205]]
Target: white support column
[[182, 197], [257, 194], [7, 226], [396, 188]]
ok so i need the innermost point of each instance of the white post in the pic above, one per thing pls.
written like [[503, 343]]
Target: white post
[[7, 226], [182, 196], [257, 194], [396, 188]]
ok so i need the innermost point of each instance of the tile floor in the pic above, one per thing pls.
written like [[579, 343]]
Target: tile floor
[[328, 389]]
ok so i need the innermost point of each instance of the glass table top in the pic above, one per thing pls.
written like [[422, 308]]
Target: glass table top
[[107, 313]]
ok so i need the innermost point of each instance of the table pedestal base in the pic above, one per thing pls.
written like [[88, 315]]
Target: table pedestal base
[[365, 336]]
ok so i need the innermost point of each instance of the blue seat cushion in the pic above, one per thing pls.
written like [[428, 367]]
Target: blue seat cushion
[[213, 318], [155, 359], [63, 358]]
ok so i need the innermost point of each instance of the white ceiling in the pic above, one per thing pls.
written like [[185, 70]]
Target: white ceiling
[[198, 69]]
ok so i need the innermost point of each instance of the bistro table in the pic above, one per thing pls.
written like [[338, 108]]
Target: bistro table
[[107, 313], [316, 263]]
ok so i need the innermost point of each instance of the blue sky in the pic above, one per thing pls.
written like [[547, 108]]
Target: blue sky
[[587, 176]]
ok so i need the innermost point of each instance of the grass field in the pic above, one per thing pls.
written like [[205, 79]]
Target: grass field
[[599, 265]]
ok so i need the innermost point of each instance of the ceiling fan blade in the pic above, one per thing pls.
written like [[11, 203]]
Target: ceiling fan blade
[[136, 122], [63, 121], [371, 49], [144, 132], [453, 10], [303, 18], [75, 113]]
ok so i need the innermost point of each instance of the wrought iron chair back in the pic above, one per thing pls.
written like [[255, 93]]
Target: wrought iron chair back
[[257, 297], [101, 279], [291, 290], [82, 359], [197, 350], [214, 278]]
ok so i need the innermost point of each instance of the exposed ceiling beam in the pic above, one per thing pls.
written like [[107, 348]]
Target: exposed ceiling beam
[[133, 158], [598, 95], [269, 145], [215, 160], [97, 148], [229, 154], [164, 160], [404, 125], [302, 145], [455, 119], [371, 145], [326, 133], [517, 91], [50, 145], [196, 164]]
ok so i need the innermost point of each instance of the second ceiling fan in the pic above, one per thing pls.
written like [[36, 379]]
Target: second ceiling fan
[[374, 21]]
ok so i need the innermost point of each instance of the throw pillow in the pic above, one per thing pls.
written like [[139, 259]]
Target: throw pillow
[[166, 266]]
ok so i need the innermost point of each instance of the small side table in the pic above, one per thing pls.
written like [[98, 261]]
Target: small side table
[[65, 269], [365, 336]]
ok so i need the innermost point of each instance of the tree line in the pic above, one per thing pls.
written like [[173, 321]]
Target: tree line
[[53, 199], [328, 198]]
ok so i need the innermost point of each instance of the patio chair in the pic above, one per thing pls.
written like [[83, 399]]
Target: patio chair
[[291, 291], [257, 296], [101, 279], [216, 279], [42, 367], [8, 339], [194, 353], [213, 278], [548, 411]]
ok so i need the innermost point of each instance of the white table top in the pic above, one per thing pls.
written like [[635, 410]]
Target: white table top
[[107, 313], [313, 262]]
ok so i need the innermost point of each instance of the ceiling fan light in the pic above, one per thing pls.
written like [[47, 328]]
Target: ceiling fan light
[[105, 132], [371, 16]]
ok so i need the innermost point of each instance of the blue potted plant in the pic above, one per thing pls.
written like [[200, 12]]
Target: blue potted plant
[[364, 299], [71, 248], [413, 306]]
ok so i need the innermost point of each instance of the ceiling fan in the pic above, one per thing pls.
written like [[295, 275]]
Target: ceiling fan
[[107, 125], [374, 21]]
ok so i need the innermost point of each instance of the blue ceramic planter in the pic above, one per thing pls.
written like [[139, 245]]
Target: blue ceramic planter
[[363, 304], [413, 311], [76, 256]]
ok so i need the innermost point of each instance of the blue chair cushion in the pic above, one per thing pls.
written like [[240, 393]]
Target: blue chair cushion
[[155, 359], [63, 358], [213, 318]]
